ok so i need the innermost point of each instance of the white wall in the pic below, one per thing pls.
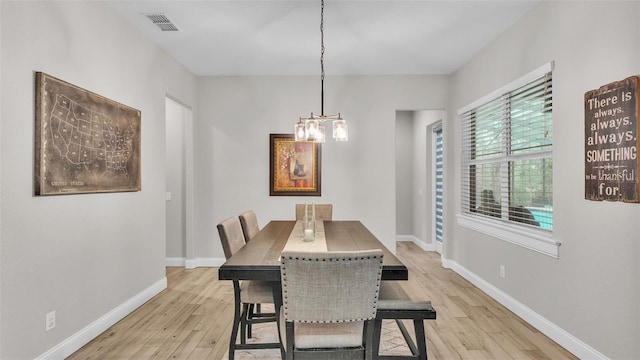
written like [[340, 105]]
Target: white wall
[[593, 290], [80, 255], [176, 171], [55, 255], [358, 177], [404, 174]]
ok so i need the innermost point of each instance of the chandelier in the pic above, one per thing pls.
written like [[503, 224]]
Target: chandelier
[[312, 128]]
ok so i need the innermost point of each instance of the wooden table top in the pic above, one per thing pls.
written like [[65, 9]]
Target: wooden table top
[[259, 259]]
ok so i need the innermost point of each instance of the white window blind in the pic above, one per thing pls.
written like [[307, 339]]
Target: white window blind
[[507, 165], [438, 184]]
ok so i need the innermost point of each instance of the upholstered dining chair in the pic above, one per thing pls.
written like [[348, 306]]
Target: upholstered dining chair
[[246, 292], [249, 223], [250, 228], [329, 303], [324, 212]]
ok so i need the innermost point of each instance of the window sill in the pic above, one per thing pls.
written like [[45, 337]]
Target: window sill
[[536, 240]]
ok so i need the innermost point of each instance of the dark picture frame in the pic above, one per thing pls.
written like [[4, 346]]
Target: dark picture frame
[[294, 166], [84, 142]]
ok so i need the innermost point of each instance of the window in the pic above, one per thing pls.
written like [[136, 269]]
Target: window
[[507, 177]]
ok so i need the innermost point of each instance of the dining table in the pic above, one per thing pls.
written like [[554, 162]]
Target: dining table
[[259, 259]]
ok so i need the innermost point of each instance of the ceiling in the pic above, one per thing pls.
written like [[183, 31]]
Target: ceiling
[[362, 37]]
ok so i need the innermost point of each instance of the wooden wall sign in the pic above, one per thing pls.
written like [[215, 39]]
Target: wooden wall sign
[[611, 141]]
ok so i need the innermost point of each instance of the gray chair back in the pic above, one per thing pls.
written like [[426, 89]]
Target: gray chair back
[[231, 236], [324, 212], [331, 287], [249, 223]]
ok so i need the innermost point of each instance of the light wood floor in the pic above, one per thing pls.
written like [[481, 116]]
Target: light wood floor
[[191, 319]]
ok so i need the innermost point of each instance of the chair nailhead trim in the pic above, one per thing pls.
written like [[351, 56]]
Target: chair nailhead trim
[[283, 264]]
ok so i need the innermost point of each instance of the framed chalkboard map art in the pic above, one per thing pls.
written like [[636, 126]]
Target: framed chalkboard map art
[[85, 143]]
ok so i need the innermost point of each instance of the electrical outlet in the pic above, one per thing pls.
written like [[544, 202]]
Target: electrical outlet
[[50, 321], [502, 271]]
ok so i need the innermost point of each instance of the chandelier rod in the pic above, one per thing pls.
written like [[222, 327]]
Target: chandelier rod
[[322, 58], [312, 128]]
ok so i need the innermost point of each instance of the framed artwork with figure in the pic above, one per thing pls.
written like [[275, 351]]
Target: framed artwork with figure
[[294, 166]]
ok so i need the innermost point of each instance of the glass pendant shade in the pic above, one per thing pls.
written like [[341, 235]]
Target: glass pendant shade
[[340, 130], [320, 134], [312, 126], [310, 129], [300, 131]]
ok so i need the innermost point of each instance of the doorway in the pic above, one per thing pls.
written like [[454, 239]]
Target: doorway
[[417, 203], [180, 247]]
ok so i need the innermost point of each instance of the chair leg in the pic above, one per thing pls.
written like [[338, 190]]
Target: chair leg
[[369, 343], [290, 336], [244, 323], [249, 318], [377, 330], [253, 309]]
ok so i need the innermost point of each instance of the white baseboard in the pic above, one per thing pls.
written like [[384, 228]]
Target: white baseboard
[[439, 247], [194, 263], [82, 337], [411, 238], [175, 262], [190, 264], [557, 334]]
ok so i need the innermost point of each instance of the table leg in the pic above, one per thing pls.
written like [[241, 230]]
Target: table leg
[[236, 319], [277, 304]]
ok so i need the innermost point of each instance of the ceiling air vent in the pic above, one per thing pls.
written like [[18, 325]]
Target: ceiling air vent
[[161, 21]]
